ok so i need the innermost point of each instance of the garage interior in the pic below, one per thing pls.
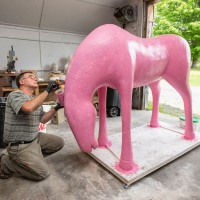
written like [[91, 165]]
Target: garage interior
[[46, 33]]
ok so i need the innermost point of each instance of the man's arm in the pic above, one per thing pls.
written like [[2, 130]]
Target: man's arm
[[48, 115], [34, 104]]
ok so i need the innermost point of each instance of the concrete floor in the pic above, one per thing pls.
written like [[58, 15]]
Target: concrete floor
[[77, 176]]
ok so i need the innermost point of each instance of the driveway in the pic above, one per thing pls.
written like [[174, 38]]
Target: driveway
[[170, 96]]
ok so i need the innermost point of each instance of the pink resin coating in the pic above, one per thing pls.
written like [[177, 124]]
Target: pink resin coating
[[112, 57]]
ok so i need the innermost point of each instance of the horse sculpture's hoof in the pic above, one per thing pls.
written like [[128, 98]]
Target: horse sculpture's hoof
[[154, 124], [105, 145], [188, 136], [126, 167]]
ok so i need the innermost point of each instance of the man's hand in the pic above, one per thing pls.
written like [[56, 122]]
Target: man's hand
[[58, 106], [53, 85]]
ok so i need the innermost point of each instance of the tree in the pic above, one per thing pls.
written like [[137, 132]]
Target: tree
[[181, 17]]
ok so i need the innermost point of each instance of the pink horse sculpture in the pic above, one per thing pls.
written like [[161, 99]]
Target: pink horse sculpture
[[112, 57]]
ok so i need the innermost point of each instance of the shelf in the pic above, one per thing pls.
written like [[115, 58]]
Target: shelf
[[8, 74]]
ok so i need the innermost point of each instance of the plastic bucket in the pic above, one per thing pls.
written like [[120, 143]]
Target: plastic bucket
[[195, 121]]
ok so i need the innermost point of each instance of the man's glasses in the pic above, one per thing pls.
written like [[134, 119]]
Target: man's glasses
[[31, 77]]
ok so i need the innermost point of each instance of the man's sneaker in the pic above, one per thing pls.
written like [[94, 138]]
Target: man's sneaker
[[2, 174]]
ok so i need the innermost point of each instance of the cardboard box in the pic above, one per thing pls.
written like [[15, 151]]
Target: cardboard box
[[59, 117]]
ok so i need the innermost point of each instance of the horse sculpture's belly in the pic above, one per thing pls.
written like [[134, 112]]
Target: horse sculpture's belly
[[149, 61]]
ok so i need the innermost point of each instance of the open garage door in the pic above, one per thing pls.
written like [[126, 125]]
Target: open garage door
[[140, 95]]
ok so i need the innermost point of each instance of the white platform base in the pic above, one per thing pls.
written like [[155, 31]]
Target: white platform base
[[152, 149]]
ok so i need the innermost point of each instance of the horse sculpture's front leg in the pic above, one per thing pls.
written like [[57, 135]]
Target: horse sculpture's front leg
[[103, 136], [126, 160]]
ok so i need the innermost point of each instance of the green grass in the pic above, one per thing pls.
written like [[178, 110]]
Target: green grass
[[173, 111], [170, 110], [195, 78]]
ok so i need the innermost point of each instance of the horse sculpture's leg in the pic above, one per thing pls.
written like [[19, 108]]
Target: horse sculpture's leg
[[155, 88], [103, 136], [126, 160], [184, 90]]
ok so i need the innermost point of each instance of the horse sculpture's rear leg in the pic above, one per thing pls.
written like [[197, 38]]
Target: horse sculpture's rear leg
[[103, 136], [155, 88], [184, 90]]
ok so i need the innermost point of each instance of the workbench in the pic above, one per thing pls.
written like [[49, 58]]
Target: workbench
[[6, 83]]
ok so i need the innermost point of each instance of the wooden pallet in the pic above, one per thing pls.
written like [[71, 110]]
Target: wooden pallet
[[152, 149]]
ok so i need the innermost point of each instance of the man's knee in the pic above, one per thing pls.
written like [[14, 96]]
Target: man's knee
[[55, 144], [58, 145], [61, 143], [42, 176], [41, 172]]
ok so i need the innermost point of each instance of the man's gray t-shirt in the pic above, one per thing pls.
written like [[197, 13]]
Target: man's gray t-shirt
[[20, 126]]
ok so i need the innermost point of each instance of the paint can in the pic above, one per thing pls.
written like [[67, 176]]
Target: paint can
[[195, 121]]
